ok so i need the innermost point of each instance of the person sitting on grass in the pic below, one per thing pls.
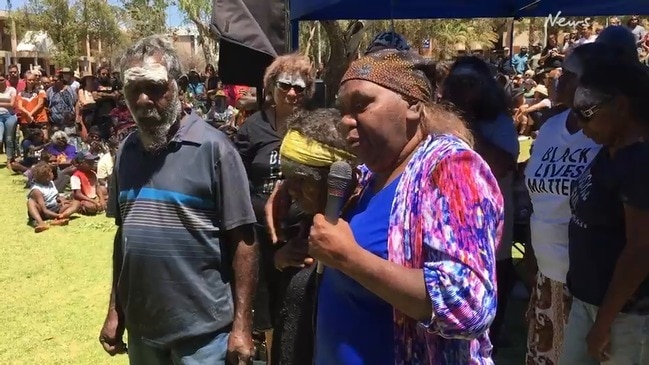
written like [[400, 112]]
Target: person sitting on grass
[[44, 203], [32, 147], [84, 185], [60, 148], [105, 163], [44, 157]]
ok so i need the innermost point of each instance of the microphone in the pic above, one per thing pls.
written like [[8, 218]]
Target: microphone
[[339, 184]]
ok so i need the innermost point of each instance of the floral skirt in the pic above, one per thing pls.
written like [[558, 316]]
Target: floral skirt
[[547, 316]]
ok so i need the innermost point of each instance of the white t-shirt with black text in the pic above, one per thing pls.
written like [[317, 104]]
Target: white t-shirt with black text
[[557, 159]]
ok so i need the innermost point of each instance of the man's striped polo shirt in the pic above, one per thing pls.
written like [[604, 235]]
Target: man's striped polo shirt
[[174, 208]]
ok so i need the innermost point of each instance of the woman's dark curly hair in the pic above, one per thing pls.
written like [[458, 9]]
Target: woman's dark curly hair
[[472, 74], [321, 125]]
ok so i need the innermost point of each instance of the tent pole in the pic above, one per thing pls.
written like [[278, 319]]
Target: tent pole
[[295, 35], [511, 42], [545, 34]]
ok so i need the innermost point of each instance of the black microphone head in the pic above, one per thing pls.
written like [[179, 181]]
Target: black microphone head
[[340, 179]]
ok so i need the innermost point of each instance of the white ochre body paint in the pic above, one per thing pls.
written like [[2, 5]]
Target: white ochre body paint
[[295, 80], [151, 70]]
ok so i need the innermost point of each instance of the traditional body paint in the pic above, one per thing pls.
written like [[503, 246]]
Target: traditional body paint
[[291, 79], [150, 70]]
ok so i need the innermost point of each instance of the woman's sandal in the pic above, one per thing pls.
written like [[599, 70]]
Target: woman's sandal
[[41, 227], [60, 222]]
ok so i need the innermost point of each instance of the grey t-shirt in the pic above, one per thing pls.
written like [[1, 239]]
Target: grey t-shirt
[[174, 209], [638, 32]]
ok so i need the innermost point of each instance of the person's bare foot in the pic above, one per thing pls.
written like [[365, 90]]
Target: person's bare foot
[[60, 222], [40, 228]]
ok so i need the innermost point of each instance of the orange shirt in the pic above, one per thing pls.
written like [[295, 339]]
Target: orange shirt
[[86, 182], [30, 102]]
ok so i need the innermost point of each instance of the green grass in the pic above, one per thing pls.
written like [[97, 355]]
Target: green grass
[[55, 285], [55, 288]]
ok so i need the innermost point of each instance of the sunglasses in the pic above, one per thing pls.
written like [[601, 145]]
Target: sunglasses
[[585, 115], [286, 87]]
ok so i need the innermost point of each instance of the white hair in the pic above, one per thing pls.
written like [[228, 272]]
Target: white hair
[[153, 59], [153, 46], [59, 135]]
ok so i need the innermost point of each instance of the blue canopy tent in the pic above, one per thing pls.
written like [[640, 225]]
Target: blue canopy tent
[[461, 9], [432, 9]]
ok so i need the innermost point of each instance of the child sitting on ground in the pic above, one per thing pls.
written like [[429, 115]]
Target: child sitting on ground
[[84, 185], [44, 157], [44, 203], [32, 147]]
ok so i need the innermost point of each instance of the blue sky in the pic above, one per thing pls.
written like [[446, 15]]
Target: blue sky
[[174, 17]]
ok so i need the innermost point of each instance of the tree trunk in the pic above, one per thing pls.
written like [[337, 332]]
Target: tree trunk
[[338, 62], [311, 35], [208, 43]]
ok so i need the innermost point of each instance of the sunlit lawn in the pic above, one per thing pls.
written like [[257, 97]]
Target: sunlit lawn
[[54, 285], [55, 288]]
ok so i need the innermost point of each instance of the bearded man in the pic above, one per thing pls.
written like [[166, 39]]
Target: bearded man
[[185, 260]]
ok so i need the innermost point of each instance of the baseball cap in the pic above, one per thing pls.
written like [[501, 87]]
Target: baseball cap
[[85, 156], [516, 92]]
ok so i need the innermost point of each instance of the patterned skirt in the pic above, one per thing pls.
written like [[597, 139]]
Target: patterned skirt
[[547, 316]]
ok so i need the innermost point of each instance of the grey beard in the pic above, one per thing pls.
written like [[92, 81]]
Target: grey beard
[[156, 136]]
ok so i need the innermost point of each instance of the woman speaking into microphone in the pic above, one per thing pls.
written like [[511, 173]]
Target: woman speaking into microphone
[[409, 269]]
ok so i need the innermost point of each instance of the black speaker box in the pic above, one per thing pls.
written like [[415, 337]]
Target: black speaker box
[[251, 34]]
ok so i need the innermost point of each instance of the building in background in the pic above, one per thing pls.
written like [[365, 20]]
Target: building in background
[[187, 43]]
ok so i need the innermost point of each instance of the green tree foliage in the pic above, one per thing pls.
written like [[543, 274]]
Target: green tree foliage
[[445, 35], [100, 20], [146, 17], [198, 13], [59, 19], [68, 24]]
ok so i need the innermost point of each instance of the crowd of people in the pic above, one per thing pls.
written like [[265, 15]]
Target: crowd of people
[[219, 198], [531, 75], [73, 124]]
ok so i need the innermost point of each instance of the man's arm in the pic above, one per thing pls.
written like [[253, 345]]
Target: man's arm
[[112, 331], [118, 258], [246, 266], [118, 254], [237, 217]]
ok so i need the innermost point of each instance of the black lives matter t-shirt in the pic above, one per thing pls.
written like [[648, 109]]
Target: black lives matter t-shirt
[[597, 228], [258, 144]]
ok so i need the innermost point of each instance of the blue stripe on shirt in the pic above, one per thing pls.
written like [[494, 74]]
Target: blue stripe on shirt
[[165, 196]]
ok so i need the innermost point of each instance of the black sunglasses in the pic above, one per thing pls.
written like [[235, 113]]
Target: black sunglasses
[[585, 115], [286, 87]]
